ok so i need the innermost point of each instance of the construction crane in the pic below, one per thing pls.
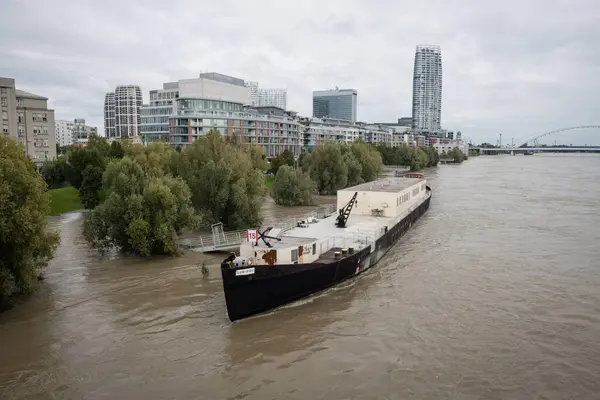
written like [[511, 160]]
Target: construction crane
[[341, 220]]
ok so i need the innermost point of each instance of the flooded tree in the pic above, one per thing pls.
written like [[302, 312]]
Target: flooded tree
[[292, 187], [327, 167], [226, 180], [369, 158], [26, 245], [144, 210]]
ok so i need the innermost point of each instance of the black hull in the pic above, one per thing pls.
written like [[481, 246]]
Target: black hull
[[272, 286]]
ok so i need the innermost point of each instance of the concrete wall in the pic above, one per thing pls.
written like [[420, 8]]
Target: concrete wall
[[215, 90]]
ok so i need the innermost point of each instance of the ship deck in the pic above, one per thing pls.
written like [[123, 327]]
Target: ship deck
[[326, 228]]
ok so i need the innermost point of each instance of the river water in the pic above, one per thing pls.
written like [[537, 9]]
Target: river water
[[494, 294]]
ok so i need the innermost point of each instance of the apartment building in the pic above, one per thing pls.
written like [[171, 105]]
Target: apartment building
[[64, 132], [73, 132], [275, 132], [122, 112], [319, 130], [427, 91], [26, 118]]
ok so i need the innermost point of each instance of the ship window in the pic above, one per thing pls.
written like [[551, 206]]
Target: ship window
[[314, 248], [294, 255]]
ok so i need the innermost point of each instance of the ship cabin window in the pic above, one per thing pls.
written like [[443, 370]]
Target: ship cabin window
[[295, 255], [314, 248]]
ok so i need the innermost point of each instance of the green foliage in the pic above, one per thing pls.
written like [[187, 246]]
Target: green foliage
[[416, 158], [257, 155], [304, 161], [354, 169], [225, 182], [369, 158], [98, 144], [143, 212], [116, 150], [89, 193], [269, 181], [53, 172], [63, 200], [327, 167], [26, 245], [292, 187], [78, 159], [456, 155], [285, 158]]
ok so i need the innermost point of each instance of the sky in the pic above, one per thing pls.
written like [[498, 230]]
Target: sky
[[518, 68]]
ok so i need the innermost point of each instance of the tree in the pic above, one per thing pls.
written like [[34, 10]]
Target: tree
[[284, 158], [26, 245], [327, 167], [354, 168], [226, 184], [78, 159], [116, 150], [369, 158], [144, 210], [53, 172], [89, 192], [292, 187], [99, 144]]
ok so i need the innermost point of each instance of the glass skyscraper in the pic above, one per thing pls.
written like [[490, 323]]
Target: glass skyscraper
[[427, 91], [335, 104]]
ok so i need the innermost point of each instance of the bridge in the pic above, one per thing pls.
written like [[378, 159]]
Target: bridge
[[535, 149], [220, 240], [535, 138]]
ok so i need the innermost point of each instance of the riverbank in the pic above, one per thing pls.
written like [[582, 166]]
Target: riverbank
[[63, 200]]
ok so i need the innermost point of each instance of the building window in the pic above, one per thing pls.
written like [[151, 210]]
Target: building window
[[4, 101], [19, 102], [295, 255]]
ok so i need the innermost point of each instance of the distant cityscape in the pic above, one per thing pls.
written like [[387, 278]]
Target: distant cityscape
[[181, 111]]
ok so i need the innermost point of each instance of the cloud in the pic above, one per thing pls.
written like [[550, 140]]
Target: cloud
[[511, 67]]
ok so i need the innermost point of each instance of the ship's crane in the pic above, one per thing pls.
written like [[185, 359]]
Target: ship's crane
[[345, 212]]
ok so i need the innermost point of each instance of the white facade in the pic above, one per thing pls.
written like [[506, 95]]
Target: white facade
[[320, 130], [272, 98], [253, 86], [389, 201], [204, 88], [109, 115], [427, 90], [122, 112], [155, 115], [446, 147], [64, 132]]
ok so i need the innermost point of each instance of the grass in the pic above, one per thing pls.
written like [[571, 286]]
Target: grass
[[63, 200], [269, 181]]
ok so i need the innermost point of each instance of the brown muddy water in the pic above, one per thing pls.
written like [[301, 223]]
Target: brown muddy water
[[494, 294]]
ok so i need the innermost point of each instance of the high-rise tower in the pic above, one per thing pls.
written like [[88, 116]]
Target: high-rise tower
[[427, 91], [122, 112]]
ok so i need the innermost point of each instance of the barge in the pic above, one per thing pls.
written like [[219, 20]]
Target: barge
[[275, 267]]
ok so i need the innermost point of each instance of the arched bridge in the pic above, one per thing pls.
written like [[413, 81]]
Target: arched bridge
[[570, 128]]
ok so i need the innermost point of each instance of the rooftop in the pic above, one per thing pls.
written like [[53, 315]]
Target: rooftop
[[27, 95], [388, 185]]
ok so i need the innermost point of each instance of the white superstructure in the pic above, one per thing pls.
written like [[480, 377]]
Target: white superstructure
[[379, 206]]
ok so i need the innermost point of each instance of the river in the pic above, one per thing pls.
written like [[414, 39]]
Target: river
[[494, 294]]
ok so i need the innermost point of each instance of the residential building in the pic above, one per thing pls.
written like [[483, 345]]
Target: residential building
[[82, 132], [319, 130], [73, 132], [26, 118], [155, 115], [444, 145], [254, 98], [427, 91], [64, 132], [335, 104], [275, 130], [124, 105], [272, 98], [109, 116]]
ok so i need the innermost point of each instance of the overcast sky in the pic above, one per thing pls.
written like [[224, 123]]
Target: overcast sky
[[510, 67]]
